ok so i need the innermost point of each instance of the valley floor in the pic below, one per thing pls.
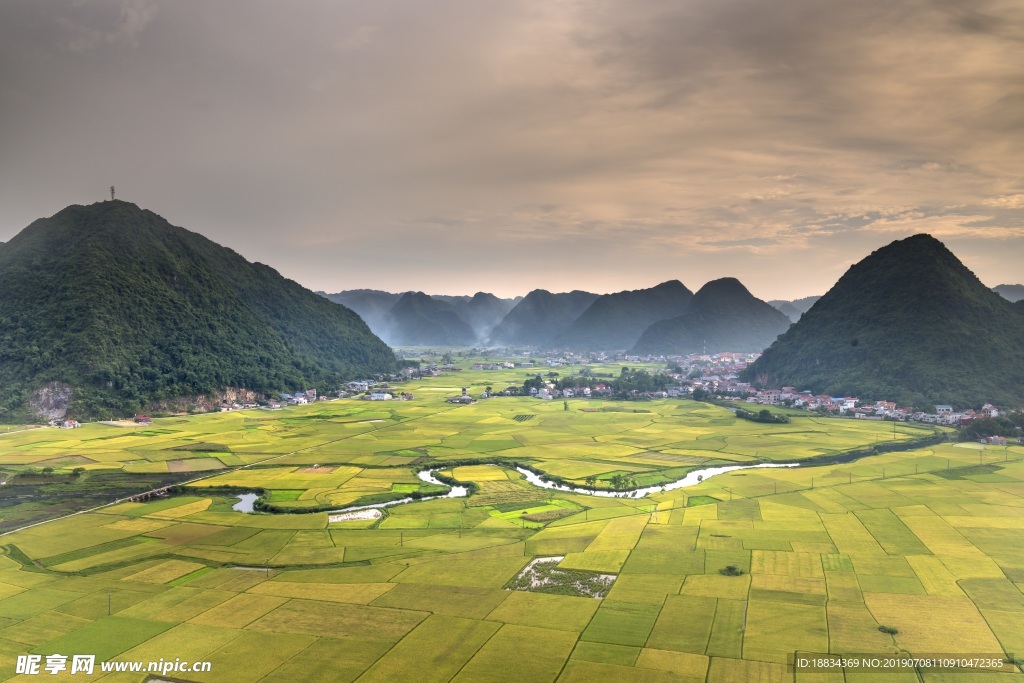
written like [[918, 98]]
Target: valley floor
[[927, 543]]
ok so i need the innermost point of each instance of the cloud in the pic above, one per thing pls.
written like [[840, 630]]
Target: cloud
[[527, 142]]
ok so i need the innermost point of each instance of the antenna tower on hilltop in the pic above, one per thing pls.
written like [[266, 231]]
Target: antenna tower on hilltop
[[111, 193]]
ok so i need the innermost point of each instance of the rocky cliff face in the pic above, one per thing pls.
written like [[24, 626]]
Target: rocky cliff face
[[50, 401]]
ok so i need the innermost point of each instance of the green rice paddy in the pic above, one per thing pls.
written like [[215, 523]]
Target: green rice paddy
[[927, 541]]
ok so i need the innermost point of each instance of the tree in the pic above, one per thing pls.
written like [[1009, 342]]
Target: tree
[[590, 481], [565, 405]]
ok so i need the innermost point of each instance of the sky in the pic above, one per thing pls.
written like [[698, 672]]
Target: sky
[[456, 146]]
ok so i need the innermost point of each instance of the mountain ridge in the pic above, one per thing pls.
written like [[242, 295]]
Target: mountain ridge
[[907, 323], [128, 309]]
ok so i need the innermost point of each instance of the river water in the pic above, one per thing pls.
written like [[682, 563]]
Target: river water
[[247, 500]]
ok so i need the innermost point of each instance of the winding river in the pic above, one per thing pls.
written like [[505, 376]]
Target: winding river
[[247, 500]]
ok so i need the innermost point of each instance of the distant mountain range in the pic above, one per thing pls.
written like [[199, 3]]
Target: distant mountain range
[[726, 318], [427, 320], [108, 308], [1010, 292], [909, 323], [794, 309]]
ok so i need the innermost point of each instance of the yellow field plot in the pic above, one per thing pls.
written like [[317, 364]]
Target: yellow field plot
[[292, 555], [139, 525], [695, 515], [849, 535], [620, 534], [480, 473], [645, 588], [852, 628], [164, 572], [132, 552], [664, 537], [978, 566], [75, 533], [779, 516], [939, 537], [597, 561], [935, 576], [881, 565], [843, 586], [350, 593], [790, 564], [238, 611], [777, 629], [580, 469], [788, 584], [827, 504], [504, 656], [717, 586], [722, 670], [7, 590], [687, 666], [1008, 627], [987, 522], [930, 623], [182, 510]]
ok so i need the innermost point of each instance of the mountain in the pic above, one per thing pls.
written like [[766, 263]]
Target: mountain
[[540, 318], [794, 309], [371, 305], [483, 312], [616, 321], [421, 320], [909, 323], [119, 308], [1010, 292], [723, 316]]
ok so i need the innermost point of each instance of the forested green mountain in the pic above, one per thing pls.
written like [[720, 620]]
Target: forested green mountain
[[616, 321], [128, 309], [420, 320], [909, 323], [540, 318], [723, 316]]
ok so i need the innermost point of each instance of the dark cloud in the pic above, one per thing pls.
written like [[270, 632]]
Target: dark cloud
[[458, 145]]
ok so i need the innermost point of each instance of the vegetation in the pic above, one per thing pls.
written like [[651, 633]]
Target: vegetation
[[130, 311], [909, 323], [764, 416], [616, 321], [540, 318], [825, 555], [723, 316]]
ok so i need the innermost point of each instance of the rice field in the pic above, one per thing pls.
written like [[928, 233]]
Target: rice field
[[926, 543]]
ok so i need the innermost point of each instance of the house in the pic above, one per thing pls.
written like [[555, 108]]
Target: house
[[142, 420], [70, 424], [943, 410], [379, 396]]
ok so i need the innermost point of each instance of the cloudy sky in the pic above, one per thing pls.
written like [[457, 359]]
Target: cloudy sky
[[453, 146]]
